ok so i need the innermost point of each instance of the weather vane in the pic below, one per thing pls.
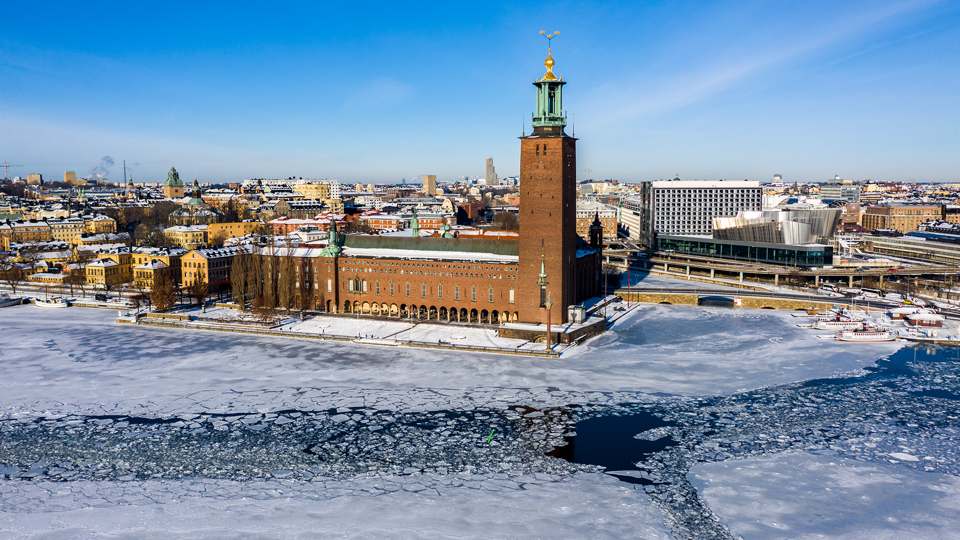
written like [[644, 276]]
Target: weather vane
[[549, 36]]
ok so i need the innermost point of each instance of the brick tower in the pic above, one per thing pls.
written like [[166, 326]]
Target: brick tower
[[548, 207]]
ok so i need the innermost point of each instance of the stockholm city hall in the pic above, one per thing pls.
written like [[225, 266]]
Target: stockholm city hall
[[549, 243], [533, 279]]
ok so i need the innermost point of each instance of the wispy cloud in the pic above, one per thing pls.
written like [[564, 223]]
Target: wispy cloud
[[697, 83]]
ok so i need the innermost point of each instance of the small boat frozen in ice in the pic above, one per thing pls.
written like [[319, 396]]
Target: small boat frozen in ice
[[866, 336], [55, 302], [837, 325], [7, 300]]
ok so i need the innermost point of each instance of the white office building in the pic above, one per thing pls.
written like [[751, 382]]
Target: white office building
[[686, 207]]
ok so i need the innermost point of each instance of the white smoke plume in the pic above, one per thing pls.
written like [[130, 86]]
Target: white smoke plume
[[100, 170]]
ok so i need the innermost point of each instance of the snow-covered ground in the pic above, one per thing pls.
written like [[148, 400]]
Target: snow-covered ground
[[344, 326], [466, 336], [823, 495]]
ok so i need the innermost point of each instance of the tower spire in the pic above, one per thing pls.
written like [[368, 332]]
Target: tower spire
[[549, 118]]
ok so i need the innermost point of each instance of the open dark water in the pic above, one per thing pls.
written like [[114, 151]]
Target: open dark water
[[909, 399]]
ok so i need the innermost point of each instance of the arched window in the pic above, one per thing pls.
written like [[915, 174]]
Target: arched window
[[473, 293], [423, 290], [440, 291], [408, 289], [490, 294], [456, 292]]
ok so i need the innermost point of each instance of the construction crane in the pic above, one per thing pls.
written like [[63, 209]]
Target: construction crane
[[588, 171], [5, 167]]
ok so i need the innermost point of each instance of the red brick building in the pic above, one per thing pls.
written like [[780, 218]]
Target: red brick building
[[488, 280]]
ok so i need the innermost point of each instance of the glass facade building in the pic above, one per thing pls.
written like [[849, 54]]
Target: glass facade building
[[807, 255]]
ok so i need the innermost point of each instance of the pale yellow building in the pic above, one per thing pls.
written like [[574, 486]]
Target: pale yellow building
[[100, 223], [170, 256], [313, 191], [232, 230], [213, 264], [104, 272], [187, 236], [111, 268], [66, 230], [145, 274]]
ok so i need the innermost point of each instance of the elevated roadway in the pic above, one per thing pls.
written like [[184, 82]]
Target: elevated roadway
[[699, 265]]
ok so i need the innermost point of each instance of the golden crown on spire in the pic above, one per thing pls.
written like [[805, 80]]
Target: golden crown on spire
[[549, 63]]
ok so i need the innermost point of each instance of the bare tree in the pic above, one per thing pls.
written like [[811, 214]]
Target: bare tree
[[163, 295], [12, 274], [238, 278], [254, 274], [200, 290], [74, 279], [304, 293], [143, 297], [123, 285], [506, 221], [218, 239], [270, 274], [286, 281]]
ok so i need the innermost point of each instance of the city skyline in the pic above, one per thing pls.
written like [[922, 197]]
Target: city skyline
[[742, 91]]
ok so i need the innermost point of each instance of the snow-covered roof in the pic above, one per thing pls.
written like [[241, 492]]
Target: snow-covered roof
[[155, 264]]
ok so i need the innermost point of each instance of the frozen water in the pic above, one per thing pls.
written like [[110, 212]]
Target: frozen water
[[81, 358], [580, 506], [206, 426], [697, 350], [823, 495]]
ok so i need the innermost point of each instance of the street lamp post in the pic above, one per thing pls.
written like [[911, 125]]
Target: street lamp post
[[549, 304], [545, 296]]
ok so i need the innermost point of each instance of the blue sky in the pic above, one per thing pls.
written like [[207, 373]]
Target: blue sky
[[380, 92]]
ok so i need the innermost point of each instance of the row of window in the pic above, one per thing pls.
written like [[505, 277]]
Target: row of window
[[360, 286]]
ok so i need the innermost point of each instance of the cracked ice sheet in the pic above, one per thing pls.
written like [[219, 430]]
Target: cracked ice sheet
[[81, 357], [691, 350], [590, 506], [805, 496]]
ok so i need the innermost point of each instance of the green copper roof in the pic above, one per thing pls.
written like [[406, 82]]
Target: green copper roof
[[502, 246], [173, 179]]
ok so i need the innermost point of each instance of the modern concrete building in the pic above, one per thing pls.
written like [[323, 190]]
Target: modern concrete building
[[430, 184], [779, 226], [686, 206], [806, 255], [491, 175], [838, 189]]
